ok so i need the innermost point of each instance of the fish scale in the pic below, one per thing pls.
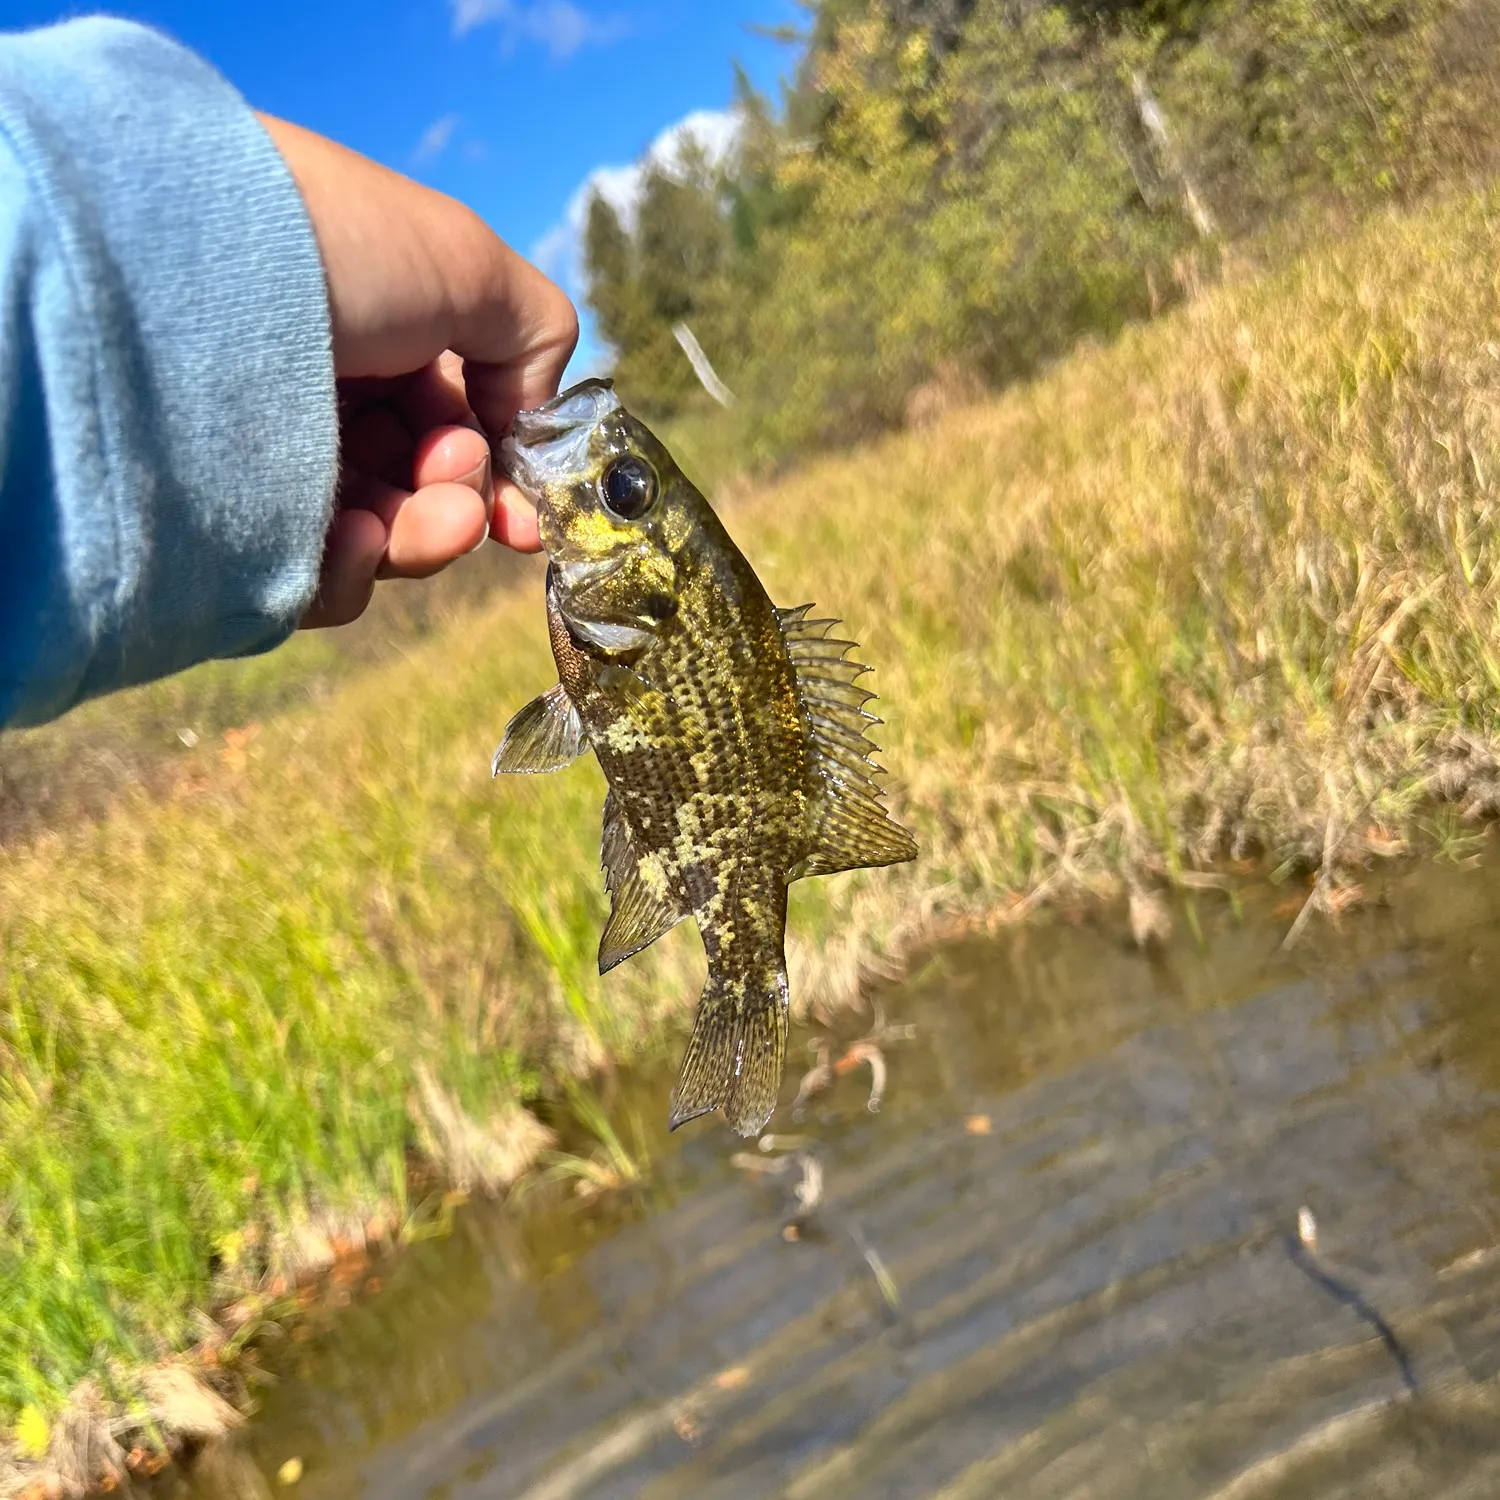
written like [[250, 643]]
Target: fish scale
[[731, 733]]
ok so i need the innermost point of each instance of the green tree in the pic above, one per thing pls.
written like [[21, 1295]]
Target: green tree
[[674, 266], [614, 293], [974, 182]]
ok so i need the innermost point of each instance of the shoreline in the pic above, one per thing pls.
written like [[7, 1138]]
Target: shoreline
[[200, 1398]]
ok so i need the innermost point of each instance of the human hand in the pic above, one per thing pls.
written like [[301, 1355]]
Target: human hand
[[441, 334]]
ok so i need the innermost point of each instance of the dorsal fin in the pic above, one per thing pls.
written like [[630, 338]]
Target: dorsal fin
[[852, 830]]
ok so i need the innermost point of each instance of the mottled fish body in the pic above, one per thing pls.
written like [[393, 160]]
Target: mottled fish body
[[731, 733]]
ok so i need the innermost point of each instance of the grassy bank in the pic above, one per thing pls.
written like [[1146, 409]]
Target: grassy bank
[[1226, 589]]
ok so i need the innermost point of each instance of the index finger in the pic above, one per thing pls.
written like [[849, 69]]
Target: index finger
[[435, 399]]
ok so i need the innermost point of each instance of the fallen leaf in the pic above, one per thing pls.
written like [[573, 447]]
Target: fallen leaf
[[236, 751], [348, 1268], [1341, 898], [190, 784], [372, 1286]]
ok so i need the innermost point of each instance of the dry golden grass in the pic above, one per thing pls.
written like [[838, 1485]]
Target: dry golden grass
[[1226, 588]]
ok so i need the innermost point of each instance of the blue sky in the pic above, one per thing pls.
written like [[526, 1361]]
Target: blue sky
[[509, 105]]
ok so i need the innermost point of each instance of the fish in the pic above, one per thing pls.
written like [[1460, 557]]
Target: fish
[[733, 735]]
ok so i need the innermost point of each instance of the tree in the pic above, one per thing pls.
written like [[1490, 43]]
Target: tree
[[969, 181], [614, 292]]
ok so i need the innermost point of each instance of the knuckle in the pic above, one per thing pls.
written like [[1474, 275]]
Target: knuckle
[[564, 319]]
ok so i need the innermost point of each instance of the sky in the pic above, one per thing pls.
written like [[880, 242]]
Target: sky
[[512, 106]]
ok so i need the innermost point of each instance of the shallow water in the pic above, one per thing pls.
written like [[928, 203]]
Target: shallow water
[[1102, 1294]]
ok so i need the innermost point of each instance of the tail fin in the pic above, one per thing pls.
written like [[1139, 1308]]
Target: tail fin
[[735, 1059]]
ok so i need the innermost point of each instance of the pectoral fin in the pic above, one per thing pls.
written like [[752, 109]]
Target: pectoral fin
[[640, 910], [546, 735], [852, 831]]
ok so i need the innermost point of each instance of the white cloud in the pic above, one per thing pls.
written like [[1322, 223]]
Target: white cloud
[[435, 139], [559, 252], [467, 14], [558, 25]]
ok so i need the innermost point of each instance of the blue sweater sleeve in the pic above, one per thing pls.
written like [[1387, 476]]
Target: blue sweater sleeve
[[168, 426]]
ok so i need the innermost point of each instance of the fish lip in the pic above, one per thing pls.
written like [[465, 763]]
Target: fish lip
[[549, 443], [585, 571], [587, 401]]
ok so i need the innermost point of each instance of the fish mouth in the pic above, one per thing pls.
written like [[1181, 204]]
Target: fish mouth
[[583, 573], [550, 443]]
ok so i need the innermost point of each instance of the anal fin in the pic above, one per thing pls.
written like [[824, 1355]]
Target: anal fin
[[546, 735], [637, 917], [638, 913]]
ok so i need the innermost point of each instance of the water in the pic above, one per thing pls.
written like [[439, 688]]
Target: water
[[1084, 1187]]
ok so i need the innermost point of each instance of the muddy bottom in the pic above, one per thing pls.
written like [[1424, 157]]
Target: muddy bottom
[[1063, 1260]]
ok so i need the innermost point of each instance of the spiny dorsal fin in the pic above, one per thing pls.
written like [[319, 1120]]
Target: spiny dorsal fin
[[853, 831], [546, 735], [638, 915]]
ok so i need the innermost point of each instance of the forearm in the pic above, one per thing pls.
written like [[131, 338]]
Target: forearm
[[168, 435]]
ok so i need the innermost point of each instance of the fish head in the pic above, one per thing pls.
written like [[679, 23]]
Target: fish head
[[613, 509]]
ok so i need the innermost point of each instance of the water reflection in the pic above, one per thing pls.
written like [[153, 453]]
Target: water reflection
[[1099, 1289]]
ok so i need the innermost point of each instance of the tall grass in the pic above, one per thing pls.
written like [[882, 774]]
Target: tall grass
[[1226, 587]]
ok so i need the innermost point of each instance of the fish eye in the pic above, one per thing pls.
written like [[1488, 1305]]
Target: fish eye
[[629, 487]]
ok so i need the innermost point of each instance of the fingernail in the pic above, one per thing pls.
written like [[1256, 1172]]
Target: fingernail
[[478, 479]]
